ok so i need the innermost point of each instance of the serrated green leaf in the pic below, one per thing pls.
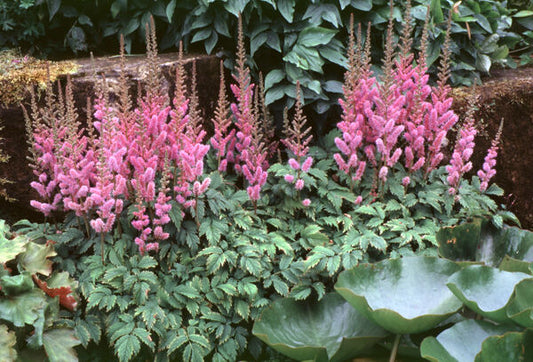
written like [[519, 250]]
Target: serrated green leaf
[[301, 293], [280, 286], [144, 336], [119, 329], [228, 288], [199, 340], [333, 264], [187, 291], [147, 262], [127, 347], [366, 210], [242, 308], [175, 342]]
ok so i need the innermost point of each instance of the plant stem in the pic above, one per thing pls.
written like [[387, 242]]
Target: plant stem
[[395, 348], [102, 247]]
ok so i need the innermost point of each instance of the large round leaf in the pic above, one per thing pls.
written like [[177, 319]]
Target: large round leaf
[[329, 330], [462, 342], [479, 240], [511, 346], [520, 310], [485, 290], [407, 295]]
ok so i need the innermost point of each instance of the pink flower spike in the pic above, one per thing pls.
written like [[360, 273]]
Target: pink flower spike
[[306, 202], [294, 164], [289, 178], [406, 181], [307, 164], [358, 200], [383, 173], [299, 184]]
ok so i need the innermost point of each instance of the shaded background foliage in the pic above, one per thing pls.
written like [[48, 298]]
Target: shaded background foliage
[[288, 40]]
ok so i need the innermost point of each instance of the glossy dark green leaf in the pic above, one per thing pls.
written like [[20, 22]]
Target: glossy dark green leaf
[[286, 8], [436, 11], [486, 290], [363, 5], [316, 35], [329, 330], [520, 310], [483, 63], [53, 7], [170, 10], [462, 342], [407, 295]]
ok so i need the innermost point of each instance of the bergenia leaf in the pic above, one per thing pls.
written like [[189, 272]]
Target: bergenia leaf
[[328, 330], [462, 342], [407, 295], [486, 290], [520, 310], [23, 309]]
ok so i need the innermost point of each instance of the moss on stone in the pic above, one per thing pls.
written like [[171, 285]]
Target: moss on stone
[[18, 72]]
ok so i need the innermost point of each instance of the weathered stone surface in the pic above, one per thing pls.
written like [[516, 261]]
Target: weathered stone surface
[[12, 119]]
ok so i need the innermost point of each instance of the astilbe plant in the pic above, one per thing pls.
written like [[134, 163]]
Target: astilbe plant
[[297, 143], [487, 172], [186, 260]]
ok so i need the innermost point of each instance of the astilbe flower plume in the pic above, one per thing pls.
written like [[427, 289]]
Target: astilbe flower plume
[[399, 118], [251, 157], [487, 172], [45, 133], [359, 94], [460, 162], [141, 156], [223, 135], [297, 142]]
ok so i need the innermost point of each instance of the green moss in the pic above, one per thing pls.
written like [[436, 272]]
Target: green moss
[[18, 72]]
